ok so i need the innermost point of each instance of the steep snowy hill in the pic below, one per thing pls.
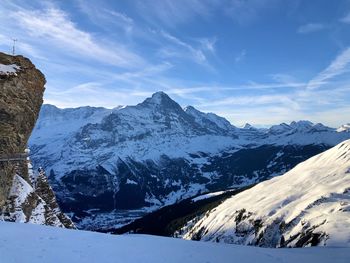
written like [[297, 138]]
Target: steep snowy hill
[[32, 243], [157, 153], [309, 205]]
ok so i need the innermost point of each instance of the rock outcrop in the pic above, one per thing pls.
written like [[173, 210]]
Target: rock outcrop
[[24, 196], [21, 97]]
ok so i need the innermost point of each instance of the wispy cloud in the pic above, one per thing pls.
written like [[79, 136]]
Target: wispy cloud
[[90, 93], [255, 100], [241, 56], [55, 27], [283, 78], [281, 107], [142, 75], [337, 67], [182, 49], [105, 53], [346, 19], [208, 44], [99, 14], [171, 13], [311, 28], [246, 12]]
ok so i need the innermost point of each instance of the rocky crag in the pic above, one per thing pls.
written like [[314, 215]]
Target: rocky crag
[[25, 196]]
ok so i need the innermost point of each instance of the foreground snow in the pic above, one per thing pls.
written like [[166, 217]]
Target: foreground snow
[[33, 243], [309, 205]]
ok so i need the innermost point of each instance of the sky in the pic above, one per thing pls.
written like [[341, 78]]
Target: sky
[[258, 61]]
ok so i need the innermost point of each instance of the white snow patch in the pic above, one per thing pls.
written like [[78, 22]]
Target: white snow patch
[[9, 69], [128, 181], [206, 196]]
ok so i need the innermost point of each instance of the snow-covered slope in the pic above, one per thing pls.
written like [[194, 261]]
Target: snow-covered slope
[[169, 153], [31, 243], [309, 205]]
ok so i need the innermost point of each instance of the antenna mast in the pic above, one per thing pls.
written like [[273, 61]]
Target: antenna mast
[[14, 46]]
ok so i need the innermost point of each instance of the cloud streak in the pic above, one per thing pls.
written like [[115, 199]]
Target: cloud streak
[[186, 50], [337, 67], [311, 28], [346, 19], [241, 56], [55, 27]]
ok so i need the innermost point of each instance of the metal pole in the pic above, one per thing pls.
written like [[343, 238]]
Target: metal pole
[[14, 46]]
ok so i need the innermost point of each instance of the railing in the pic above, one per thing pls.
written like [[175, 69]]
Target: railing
[[13, 157]]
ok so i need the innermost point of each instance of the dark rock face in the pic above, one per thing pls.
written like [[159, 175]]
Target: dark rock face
[[20, 102], [24, 196]]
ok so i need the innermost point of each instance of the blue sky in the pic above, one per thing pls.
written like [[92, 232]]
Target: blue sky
[[257, 61]]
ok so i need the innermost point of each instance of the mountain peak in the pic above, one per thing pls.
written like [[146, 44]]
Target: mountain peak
[[301, 124], [161, 100], [160, 96], [248, 126]]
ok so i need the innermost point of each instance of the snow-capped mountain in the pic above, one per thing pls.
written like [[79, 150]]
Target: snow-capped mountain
[[309, 205], [344, 127], [154, 153]]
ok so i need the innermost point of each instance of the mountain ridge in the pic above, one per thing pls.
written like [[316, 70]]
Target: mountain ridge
[[170, 153]]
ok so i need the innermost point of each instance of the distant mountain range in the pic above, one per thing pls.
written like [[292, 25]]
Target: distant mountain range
[[146, 156], [307, 206]]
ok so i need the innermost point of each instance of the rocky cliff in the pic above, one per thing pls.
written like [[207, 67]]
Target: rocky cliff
[[23, 197], [22, 88]]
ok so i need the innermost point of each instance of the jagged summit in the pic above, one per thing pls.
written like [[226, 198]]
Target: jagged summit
[[160, 100], [160, 95], [248, 126]]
